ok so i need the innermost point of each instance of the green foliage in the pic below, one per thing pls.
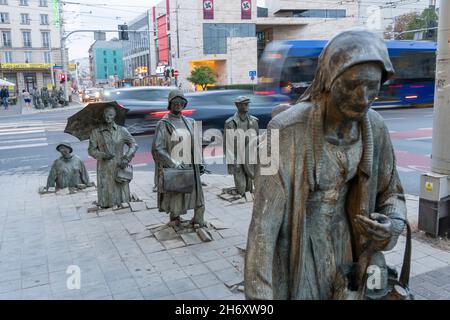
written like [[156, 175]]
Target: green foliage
[[202, 76], [413, 21]]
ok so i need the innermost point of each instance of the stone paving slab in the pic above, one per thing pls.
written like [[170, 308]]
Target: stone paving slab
[[121, 256]]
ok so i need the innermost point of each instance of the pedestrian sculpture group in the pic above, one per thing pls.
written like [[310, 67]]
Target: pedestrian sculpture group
[[328, 213], [43, 99]]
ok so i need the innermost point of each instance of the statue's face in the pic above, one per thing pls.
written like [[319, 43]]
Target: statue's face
[[354, 91], [242, 107], [65, 152], [177, 105], [109, 115]]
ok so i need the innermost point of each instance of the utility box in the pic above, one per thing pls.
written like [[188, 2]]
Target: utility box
[[434, 204]]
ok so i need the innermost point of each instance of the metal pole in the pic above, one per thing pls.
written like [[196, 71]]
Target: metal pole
[[63, 52], [441, 130]]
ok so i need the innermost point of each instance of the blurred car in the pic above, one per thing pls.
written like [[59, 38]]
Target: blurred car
[[91, 95], [210, 107], [140, 101]]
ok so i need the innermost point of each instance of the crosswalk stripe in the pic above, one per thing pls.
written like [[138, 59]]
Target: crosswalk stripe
[[23, 140], [21, 132], [23, 146]]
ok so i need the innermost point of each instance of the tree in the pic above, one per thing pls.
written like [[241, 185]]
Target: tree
[[202, 76], [414, 21]]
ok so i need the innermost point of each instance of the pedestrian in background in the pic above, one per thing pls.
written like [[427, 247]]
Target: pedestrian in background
[[4, 95], [26, 98]]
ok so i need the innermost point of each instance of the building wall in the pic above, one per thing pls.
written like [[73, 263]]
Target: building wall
[[109, 62], [37, 76]]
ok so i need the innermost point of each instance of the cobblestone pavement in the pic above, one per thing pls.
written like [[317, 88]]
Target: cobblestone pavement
[[42, 236]]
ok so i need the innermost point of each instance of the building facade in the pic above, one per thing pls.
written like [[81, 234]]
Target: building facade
[[29, 44], [106, 62], [230, 35], [136, 51]]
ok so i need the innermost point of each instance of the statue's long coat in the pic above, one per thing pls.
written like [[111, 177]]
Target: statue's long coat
[[276, 236]]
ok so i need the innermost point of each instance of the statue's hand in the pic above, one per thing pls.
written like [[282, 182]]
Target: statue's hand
[[378, 228], [202, 168], [124, 162], [108, 156]]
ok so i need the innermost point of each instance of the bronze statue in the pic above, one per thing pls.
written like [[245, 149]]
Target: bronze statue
[[165, 143], [336, 201], [244, 171], [68, 171], [45, 97], [106, 144]]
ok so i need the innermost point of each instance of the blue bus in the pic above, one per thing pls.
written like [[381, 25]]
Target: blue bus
[[288, 67]]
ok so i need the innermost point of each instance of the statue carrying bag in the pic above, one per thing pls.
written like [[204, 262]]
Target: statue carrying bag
[[178, 180]]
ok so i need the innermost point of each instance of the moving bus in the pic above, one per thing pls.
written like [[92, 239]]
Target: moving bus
[[288, 67]]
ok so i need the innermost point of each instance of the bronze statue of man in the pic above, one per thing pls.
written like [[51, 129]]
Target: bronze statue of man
[[171, 126], [106, 144], [336, 197], [242, 171], [68, 171]]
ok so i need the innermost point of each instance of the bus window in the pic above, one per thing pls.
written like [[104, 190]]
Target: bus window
[[297, 74], [412, 66]]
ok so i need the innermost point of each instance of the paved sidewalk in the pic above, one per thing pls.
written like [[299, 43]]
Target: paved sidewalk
[[119, 259], [73, 105]]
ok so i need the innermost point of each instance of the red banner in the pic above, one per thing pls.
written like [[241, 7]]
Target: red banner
[[208, 9], [246, 9]]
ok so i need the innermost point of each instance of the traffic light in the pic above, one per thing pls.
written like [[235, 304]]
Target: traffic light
[[123, 32], [62, 78], [172, 72]]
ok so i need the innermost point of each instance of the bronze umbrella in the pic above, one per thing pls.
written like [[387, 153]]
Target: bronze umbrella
[[81, 123]]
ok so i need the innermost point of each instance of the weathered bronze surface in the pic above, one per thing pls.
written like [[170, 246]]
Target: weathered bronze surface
[[336, 201], [68, 171], [45, 97], [243, 173], [106, 144], [172, 124]]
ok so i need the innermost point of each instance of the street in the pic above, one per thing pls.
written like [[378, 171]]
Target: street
[[27, 143]]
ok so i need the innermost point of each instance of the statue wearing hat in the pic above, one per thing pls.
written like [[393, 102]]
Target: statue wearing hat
[[245, 128], [178, 178], [68, 171]]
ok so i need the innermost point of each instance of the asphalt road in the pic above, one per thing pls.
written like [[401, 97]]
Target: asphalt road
[[27, 143]]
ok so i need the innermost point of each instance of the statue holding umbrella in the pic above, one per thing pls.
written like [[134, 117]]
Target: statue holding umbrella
[[102, 124]]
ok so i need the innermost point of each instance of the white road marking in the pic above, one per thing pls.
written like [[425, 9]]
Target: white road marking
[[21, 132], [23, 146], [403, 169], [24, 140], [419, 138], [394, 118]]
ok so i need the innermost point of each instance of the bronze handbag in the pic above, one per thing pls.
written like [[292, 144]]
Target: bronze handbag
[[398, 289], [178, 180], [124, 175]]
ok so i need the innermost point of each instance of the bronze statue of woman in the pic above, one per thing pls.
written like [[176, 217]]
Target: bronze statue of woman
[[106, 144], [337, 194]]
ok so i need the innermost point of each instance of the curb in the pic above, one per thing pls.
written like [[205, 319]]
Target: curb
[[71, 107]]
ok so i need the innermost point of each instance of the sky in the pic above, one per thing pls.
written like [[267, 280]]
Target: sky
[[107, 14]]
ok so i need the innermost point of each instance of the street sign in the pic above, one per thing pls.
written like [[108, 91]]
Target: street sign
[[57, 67], [253, 78], [176, 73], [252, 74]]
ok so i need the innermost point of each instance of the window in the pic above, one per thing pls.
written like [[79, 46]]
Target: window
[[215, 35], [115, 60], [26, 36], [3, 2], [320, 13], [4, 17], [43, 3], [47, 58], [6, 38], [115, 68], [114, 53], [23, 2], [44, 19], [46, 39], [8, 57], [24, 18], [28, 56], [104, 52], [106, 76], [104, 60], [105, 68]]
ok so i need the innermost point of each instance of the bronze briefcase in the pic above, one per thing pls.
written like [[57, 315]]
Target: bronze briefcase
[[178, 180]]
